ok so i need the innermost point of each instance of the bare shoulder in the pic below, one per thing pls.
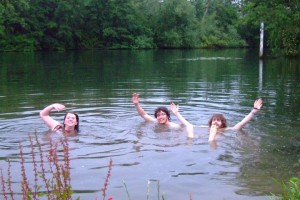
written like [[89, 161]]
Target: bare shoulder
[[227, 129], [174, 125]]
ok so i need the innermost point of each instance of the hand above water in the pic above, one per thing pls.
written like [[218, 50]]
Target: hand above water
[[258, 104], [58, 107], [212, 132], [135, 98], [174, 108]]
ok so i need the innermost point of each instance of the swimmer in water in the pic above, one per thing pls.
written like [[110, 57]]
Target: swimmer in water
[[217, 122], [71, 120], [161, 114]]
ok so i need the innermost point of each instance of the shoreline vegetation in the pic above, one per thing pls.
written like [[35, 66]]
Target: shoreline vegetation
[[52, 176], [149, 24]]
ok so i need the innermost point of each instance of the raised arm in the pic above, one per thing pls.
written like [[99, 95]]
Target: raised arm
[[44, 114], [212, 133], [256, 107], [139, 109], [212, 136], [188, 125]]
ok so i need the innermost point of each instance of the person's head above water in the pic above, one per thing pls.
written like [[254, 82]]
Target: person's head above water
[[218, 120], [71, 121], [162, 115]]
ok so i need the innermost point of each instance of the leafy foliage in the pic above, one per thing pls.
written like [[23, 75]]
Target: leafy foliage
[[282, 20], [52, 173], [30, 25], [291, 190]]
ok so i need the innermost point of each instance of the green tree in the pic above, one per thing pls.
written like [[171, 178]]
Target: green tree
[[176, 25], [218, 21], [43, 24], [71, 24], [93, 17], [122, 24], [144, 33], [14, 29], [67, 17], [2, 27], [54, 23], [118, 24], [282, 22]]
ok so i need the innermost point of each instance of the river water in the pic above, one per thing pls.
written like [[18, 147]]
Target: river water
[[98, 86]]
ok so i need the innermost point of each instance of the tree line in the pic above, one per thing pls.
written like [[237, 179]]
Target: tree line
[[35, 25]]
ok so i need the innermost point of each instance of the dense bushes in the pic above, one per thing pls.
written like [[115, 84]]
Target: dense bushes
[[27, 25]]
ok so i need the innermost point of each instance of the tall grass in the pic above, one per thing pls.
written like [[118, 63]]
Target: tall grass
[[104, 188], [51, 175], [291, 190], [51, 168]]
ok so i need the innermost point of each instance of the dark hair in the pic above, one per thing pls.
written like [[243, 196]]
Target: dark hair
[[220, 117], [77, 119], [163, 109]]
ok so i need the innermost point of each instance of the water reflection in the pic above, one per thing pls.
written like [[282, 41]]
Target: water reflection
[[98, 86]]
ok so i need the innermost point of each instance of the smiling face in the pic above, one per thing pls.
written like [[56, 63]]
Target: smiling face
[[162, 115], [71, 121]]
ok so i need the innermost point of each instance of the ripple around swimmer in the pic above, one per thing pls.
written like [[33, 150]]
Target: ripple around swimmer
[[203, 82]]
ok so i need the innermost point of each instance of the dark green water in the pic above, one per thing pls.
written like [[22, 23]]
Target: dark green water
[[98, 85]]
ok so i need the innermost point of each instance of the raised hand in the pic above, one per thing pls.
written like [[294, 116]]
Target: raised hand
[[212, 132], [135, 98], [258, 104], [58, 107], [174, 108]]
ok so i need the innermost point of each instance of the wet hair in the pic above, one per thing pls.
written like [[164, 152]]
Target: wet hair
[[77, 119], [163, 109], [220, 117]]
